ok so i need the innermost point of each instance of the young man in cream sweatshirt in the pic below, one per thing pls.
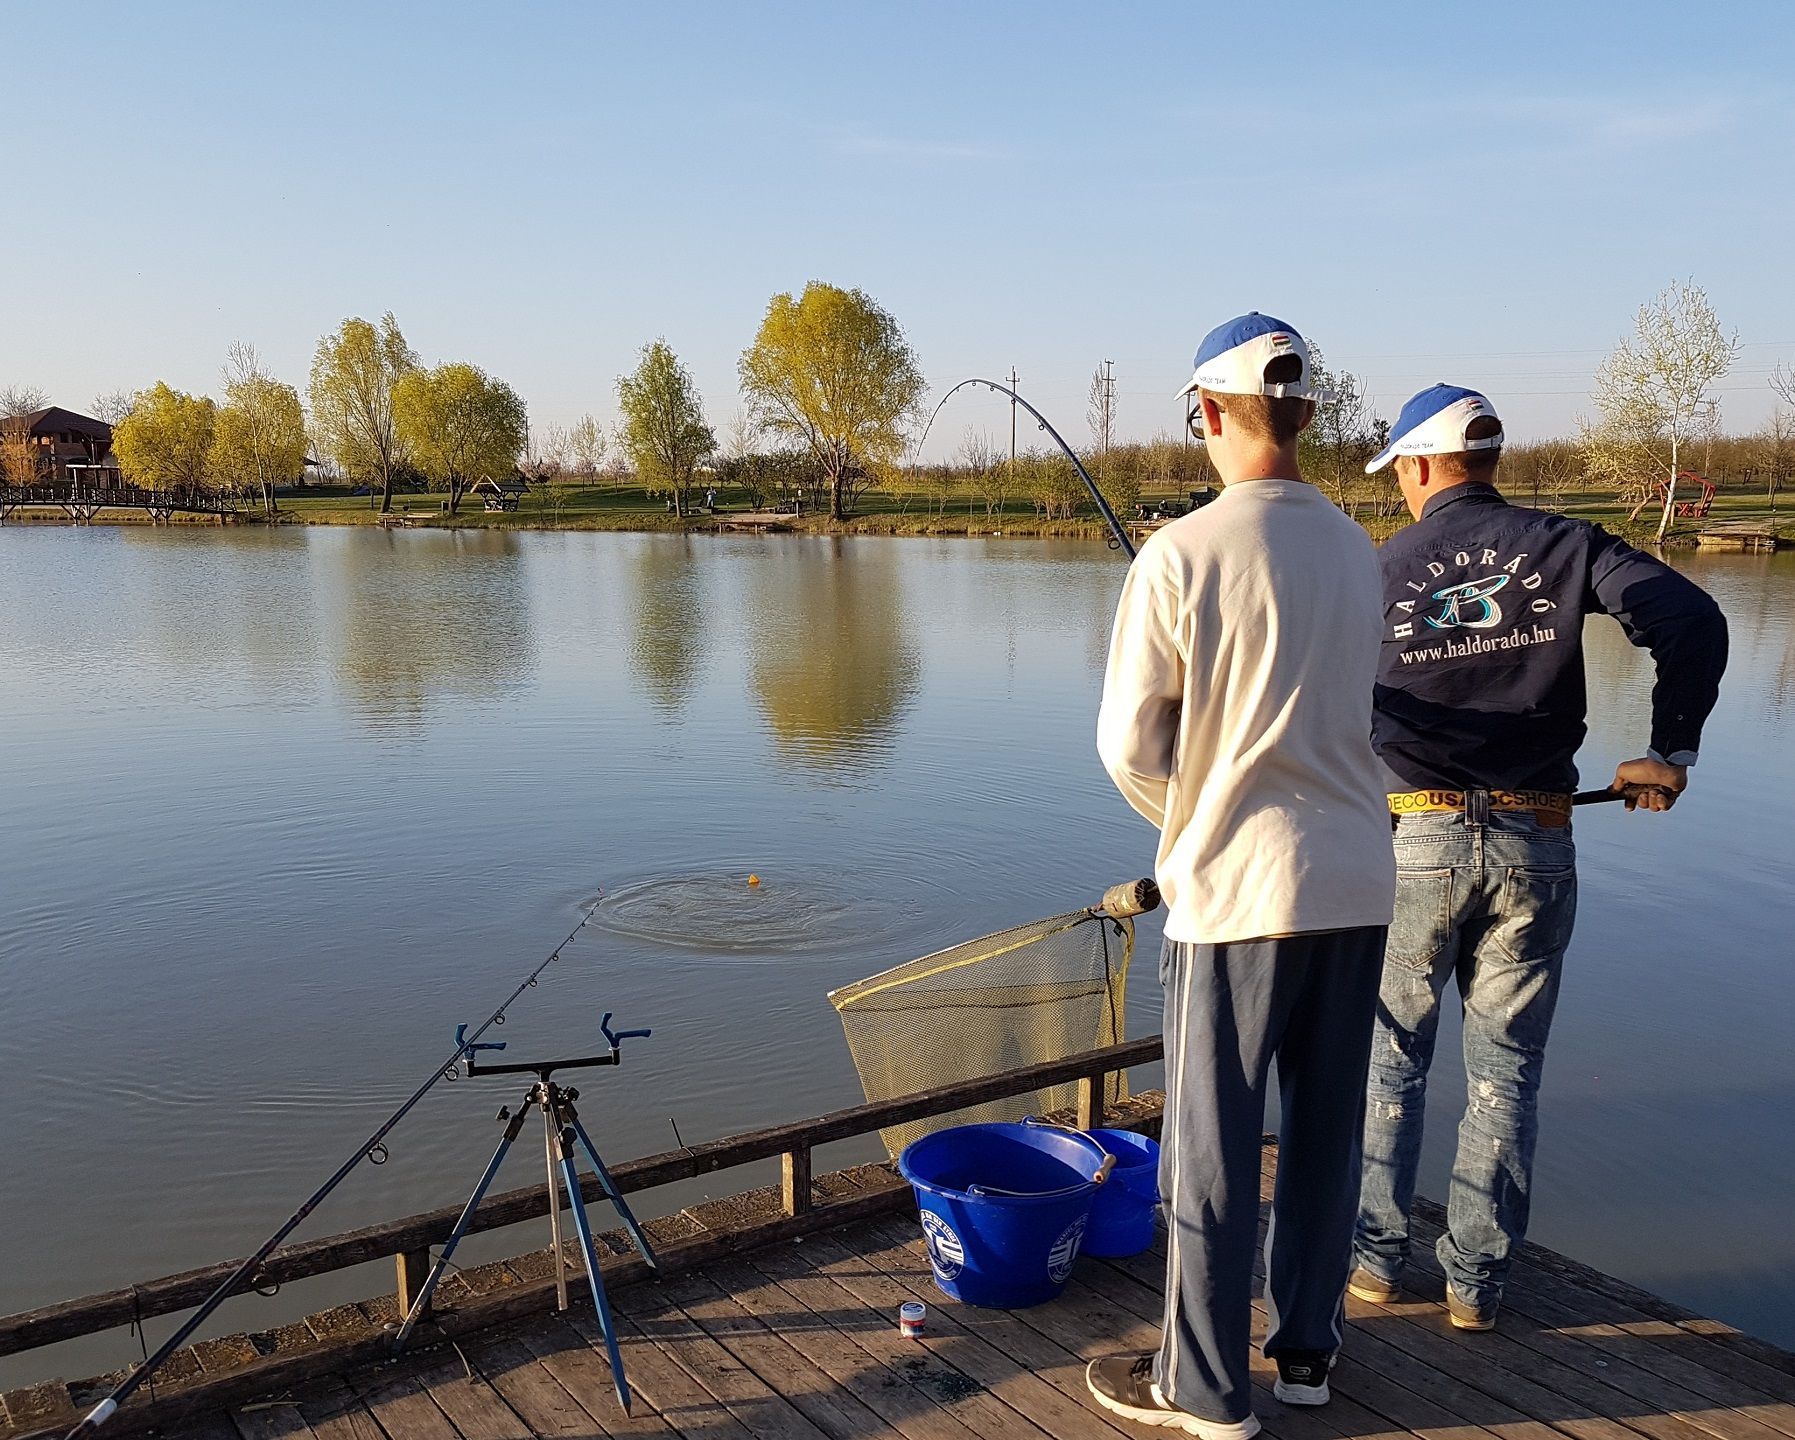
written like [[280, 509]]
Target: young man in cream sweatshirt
[[1237, 718]]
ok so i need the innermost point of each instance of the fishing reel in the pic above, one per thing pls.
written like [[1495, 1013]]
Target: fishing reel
[[467, 1050]]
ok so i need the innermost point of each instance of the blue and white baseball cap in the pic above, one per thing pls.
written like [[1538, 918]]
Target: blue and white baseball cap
[[1434, 423], [1232, 359]]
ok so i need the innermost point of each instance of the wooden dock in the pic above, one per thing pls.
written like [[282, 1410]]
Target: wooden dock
[[1737, 535], [789, 1332]]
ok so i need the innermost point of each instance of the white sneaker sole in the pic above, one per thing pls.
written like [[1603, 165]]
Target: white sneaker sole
[[1170, 1419], [1301, 1394], [1380, 1295]]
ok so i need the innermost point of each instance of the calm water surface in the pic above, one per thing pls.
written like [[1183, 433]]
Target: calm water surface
[[280, 809]]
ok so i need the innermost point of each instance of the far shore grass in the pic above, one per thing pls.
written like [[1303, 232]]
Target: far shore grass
[[605, 507]]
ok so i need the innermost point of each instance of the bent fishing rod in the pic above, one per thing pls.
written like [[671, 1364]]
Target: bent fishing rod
[[1119, 533], [367, 1150]]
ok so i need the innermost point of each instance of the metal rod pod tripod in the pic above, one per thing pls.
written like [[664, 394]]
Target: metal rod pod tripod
[[562, 1132]]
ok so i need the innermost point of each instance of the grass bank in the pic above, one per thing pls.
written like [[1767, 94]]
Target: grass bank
[[605, 507]]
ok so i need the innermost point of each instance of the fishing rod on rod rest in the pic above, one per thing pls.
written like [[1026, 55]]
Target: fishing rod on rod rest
[[234, 1283]]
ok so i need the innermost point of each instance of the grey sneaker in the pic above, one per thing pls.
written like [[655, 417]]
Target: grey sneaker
[[1124, 1385], [1466, 1316], [1374, 1288], [1303, 1377]]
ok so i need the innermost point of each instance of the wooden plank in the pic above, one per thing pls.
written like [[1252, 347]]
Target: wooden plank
[[833, 1409], [474, 1408], [335, 1412], [541, 1401], [843, 1257], [877, 1335], [899, 1406], [679, 1399], [762, 1410], [1542, 1333], [1571, 1402], [399, 1406], [271, 1420], [29, 1329], [895, 1249], [585, 1374], [1094, 1291]]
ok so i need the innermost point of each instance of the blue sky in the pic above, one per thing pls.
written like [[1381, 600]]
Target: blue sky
[[1430, 191]]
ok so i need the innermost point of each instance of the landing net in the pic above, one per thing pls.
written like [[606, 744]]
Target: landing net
[[1023, 996]]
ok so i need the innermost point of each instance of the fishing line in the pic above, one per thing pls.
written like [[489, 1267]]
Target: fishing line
[[234, 1283], [1119, 534]]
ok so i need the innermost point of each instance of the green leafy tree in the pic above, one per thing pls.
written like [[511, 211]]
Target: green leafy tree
[[664, 431], [458, 425], [832, 371], [353, 374], [259, 437], [165, 443]]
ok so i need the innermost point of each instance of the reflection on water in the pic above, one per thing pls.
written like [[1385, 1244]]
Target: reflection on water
[[673, 623], [415, 619], [834, 667], [282, 807]]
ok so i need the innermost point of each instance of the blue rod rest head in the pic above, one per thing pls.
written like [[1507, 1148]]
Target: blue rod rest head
[[467, 1047]]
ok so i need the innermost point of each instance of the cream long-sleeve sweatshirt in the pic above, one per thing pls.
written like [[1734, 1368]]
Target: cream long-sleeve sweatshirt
[[1237, 716]]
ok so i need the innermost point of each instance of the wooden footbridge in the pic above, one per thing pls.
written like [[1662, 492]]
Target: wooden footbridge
[[775, 1319], [80, 503]]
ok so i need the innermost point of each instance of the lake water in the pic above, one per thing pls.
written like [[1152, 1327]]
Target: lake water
[[282, 808]]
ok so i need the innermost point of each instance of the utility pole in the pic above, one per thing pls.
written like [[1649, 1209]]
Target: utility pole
[[1109, 408], [1012, 427]]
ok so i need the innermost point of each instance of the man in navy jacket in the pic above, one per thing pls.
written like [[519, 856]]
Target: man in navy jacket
[[1480, 706]]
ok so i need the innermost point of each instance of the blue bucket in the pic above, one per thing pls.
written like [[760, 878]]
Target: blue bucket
[[1004, 1207], [1122, 1213]]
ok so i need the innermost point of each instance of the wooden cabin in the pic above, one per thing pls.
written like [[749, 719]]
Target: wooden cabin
[[70, 447]]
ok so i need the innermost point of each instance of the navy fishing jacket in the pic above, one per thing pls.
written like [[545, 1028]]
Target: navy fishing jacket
[[1480, 684]]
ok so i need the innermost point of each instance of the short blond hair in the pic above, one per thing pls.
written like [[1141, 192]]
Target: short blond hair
[[1277, 419]]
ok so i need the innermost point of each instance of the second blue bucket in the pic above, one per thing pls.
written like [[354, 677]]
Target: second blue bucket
[[1122, 1213], [1004, 1207]]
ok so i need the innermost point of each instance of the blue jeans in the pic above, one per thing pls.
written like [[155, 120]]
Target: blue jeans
[[1491, 905]]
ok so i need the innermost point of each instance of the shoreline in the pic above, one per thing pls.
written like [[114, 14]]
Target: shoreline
[[890, 524]]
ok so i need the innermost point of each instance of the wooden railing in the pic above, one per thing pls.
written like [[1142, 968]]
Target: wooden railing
[[407, 1240]]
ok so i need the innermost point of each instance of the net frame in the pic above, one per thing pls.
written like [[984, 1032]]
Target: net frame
[[1058, 984]]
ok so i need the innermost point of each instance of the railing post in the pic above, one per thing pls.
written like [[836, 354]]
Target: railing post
[[794, 1181], [1090, 1100], [414, 1268]]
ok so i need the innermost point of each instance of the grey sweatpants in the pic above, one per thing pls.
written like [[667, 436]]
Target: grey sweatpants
[[1309, 1001]]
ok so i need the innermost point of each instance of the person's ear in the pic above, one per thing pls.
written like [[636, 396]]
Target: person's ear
[[1421, 471], [1212, 416]]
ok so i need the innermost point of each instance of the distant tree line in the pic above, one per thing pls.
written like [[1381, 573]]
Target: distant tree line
[[832, 397]]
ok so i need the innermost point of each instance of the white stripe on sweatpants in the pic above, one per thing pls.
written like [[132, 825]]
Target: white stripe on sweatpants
[[1174, 1286]]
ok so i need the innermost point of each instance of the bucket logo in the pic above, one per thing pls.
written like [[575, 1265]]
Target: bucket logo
[[1469, 606], [1065, 1251], [947, 1256]]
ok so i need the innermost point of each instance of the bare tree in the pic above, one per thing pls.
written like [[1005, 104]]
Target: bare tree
[[21, 457], [1776, 451], [17, 400], [111, 406], [1336, 444], [1657, 386], [1100, 414], [586, 444]]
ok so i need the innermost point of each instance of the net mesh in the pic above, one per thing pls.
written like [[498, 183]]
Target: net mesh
[[1023, 996]]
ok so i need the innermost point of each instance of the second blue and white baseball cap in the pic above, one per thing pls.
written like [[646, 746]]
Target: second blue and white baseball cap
[[1232, 359], [1434, 423]]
